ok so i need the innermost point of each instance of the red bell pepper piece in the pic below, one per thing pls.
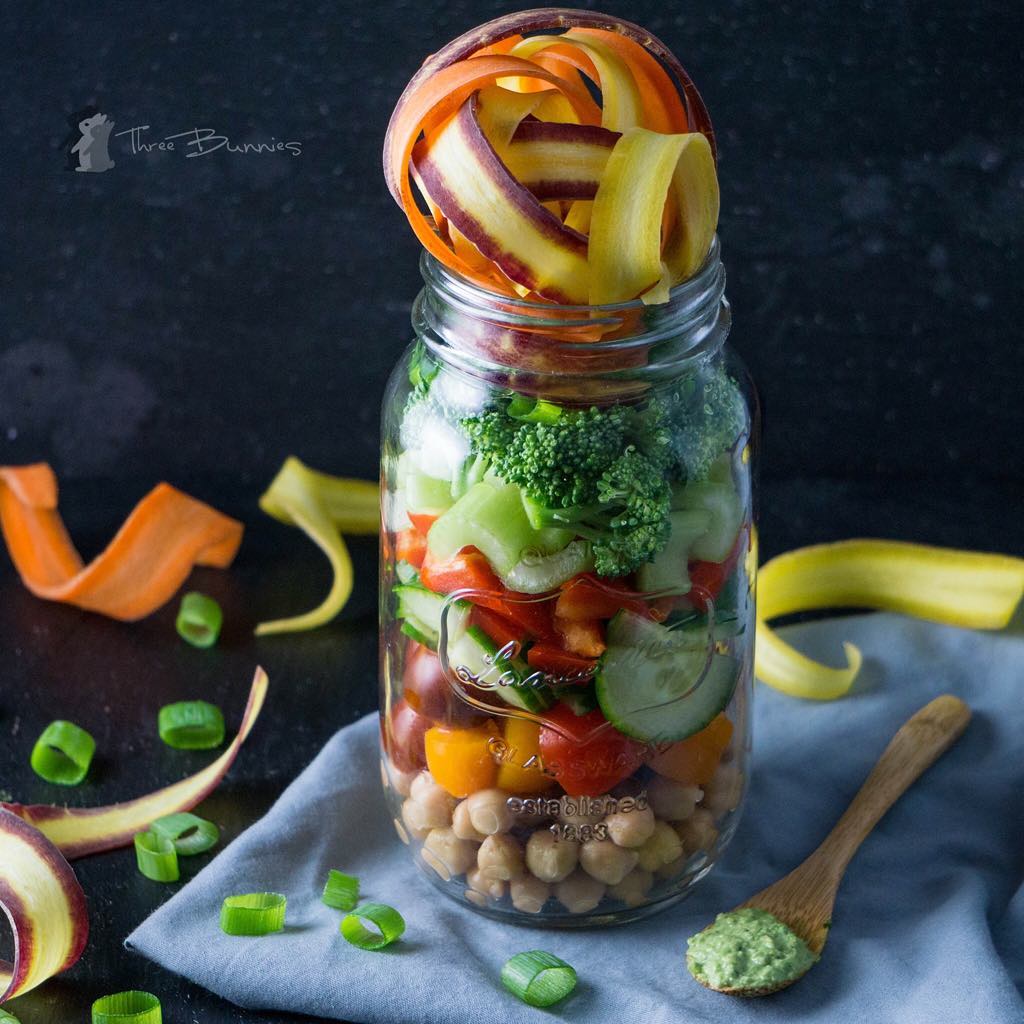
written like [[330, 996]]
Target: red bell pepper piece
[[550, 658], [422, 521], [470, 570], [584, 637], [586, 597], [501, 630], [708, 578], [411, 547]]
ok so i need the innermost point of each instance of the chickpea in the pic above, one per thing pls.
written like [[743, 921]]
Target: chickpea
[[630, 828], [444, 846], [551, 859], [579, 892], [462, 826], [672, 800], [607, 862], [724, 791], [674, 868], [582, 819], [493, 888], [663, 847], [488, 811], [437, 803], [633, 889], [698, 832], [529, 894], [400, 782], [413, 817], [501, 857]]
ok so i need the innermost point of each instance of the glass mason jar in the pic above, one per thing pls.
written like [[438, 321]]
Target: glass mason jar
[[567, 592]]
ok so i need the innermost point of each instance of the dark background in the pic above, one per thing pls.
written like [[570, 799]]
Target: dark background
[[197, 320]]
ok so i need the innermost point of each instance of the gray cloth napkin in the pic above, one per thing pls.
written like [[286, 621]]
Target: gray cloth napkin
[[929, 924]]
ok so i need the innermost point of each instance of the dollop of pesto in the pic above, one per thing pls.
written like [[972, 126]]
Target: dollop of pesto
[[747, 949]]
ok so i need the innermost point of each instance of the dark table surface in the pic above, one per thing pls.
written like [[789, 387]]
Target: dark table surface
[[197, 320]]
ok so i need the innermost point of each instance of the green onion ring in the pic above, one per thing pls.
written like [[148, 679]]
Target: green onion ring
[[199, 620], [341, 891], [254, 913], [63, 753], [156, 857], [191, 725], [189, 833], [122, 1007], [388, 922], [8, 1018], [538, 978]]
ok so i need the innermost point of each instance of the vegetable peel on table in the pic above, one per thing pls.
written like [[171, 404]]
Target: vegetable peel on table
[[323, 507], [151, 555], [79, 831], [500, 134], [971, 589], [39, 893]]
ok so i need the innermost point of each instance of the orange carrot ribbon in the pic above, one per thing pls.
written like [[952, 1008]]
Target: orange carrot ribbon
[[152, 554]]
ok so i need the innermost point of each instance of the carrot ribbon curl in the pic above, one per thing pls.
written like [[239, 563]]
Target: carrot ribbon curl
[[152, 554]]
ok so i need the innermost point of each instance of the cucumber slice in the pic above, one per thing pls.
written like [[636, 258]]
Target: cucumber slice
[[476, 652], [667, 573], [542, 573], [427, 494], [654, 698], [722, 502], [491, 519], [428, 640], [406, 572], [629, 629], [423, 609]]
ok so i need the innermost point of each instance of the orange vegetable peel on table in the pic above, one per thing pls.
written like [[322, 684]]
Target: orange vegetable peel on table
[[152, 554]]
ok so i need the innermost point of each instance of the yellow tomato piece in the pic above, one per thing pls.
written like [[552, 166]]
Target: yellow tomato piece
[[693, 761], [460, 760], [520, 767]]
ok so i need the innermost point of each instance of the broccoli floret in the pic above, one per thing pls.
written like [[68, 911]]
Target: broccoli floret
[[628, 524], [702, 418], [558, 463]]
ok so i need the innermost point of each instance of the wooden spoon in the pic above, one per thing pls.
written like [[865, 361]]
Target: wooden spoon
[[803, 900]]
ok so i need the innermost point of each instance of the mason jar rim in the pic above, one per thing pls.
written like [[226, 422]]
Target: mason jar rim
[[484, 332]]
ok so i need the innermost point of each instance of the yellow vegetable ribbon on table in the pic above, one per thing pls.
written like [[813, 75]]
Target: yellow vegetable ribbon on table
[[323, 507], [972, 589]]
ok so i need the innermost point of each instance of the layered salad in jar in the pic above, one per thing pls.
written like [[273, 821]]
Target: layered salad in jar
[[567, 631]]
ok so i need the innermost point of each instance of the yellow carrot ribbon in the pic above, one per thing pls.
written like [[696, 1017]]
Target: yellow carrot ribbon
[[971, 589], [323, 507]]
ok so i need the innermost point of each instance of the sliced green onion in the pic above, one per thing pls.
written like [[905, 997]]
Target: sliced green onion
[[538, 978], [341, 891], [199, 620], [156, 857], [134, 1006], [189, 833], [8, 1018], [63, 753], [531, 410], [254, 913], [191, 725], [387, 922]]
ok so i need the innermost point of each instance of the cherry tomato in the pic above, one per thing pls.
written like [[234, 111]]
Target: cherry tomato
[[581, 766], [403, 738], [428, 691]]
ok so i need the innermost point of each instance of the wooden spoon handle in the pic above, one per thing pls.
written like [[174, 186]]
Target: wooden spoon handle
[[921, 740]]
